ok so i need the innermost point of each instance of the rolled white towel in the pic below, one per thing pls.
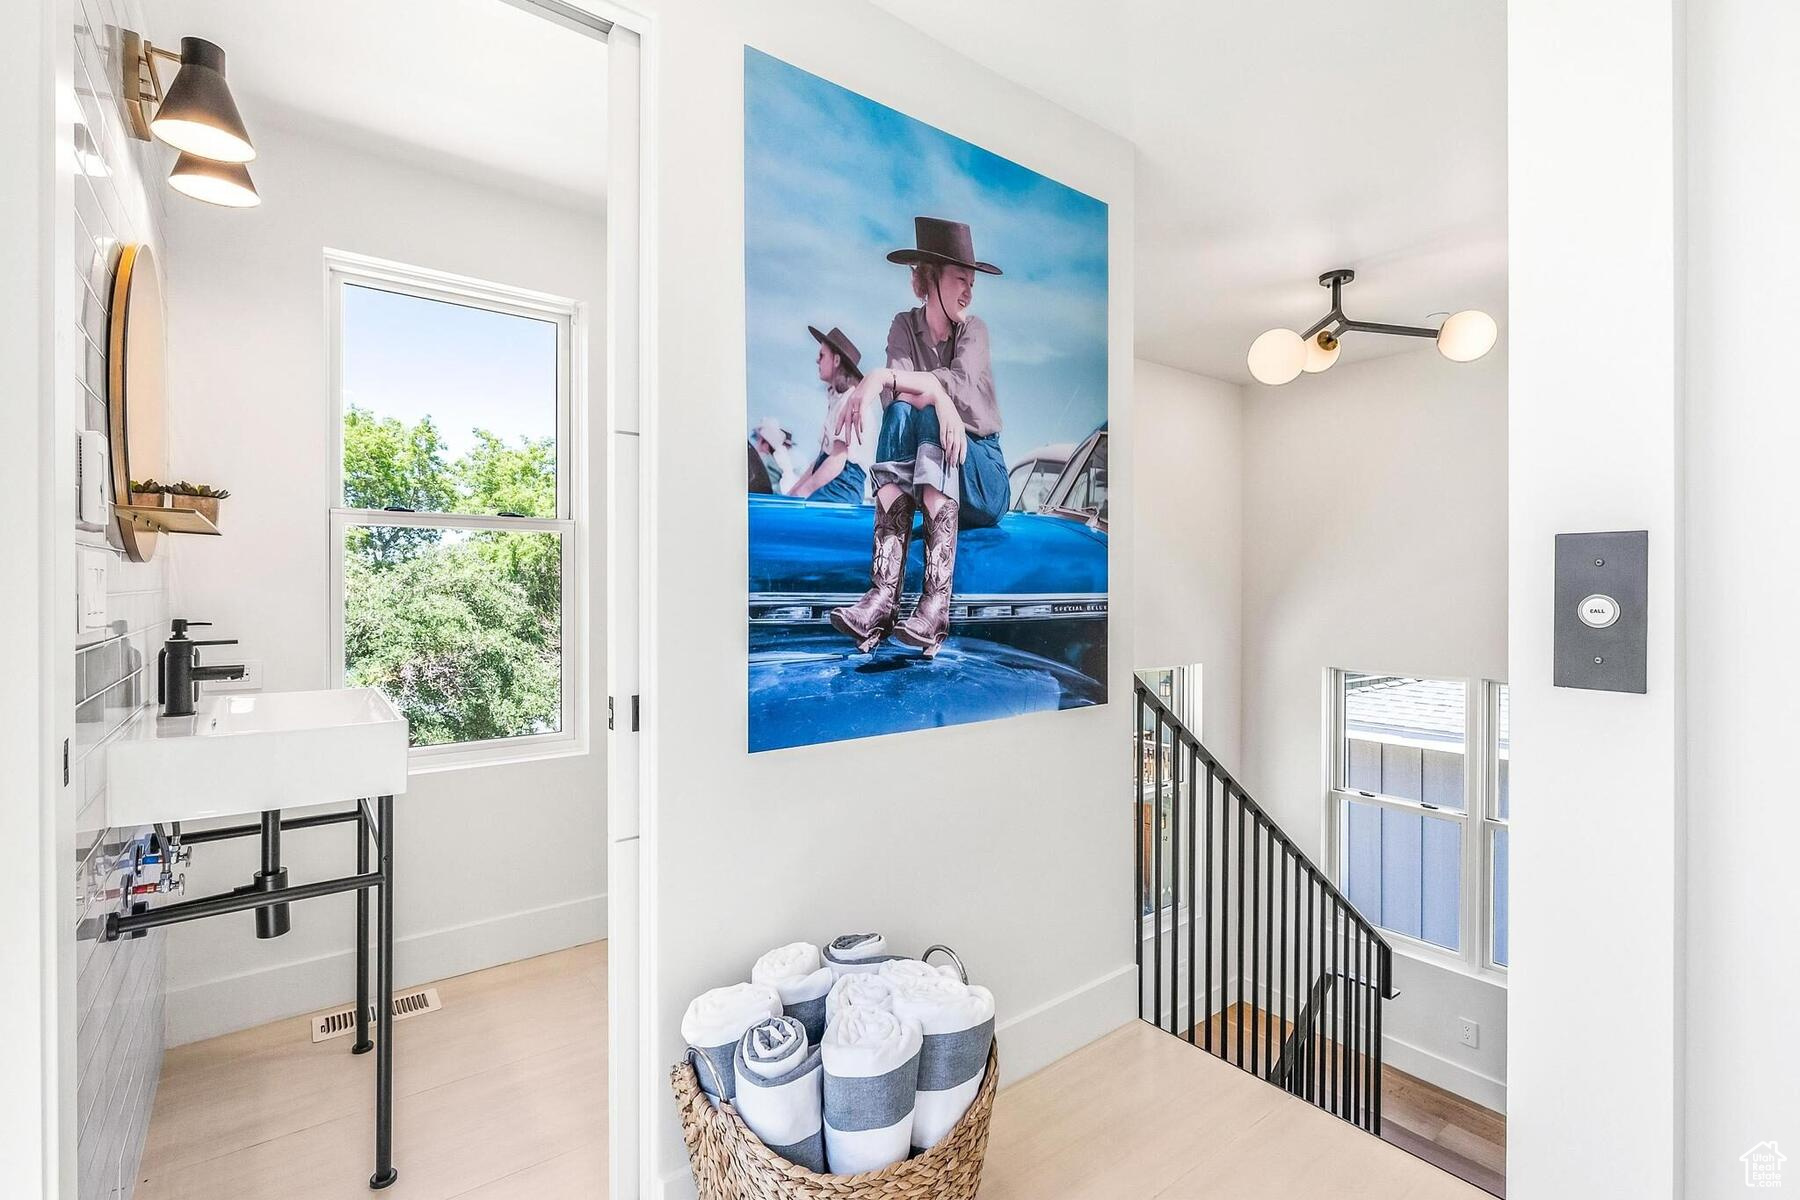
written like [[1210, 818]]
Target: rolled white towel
[[871, 1060], [897, 969], [957, 1021], [780, 1090], [795, 971], [857, 952], [866, 991], [717, 1019]]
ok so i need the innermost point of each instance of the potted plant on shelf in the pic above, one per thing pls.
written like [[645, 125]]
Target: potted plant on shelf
[[202, 498], [147, 493]]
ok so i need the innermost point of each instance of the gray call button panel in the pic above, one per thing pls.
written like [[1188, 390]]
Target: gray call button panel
[[1602, 594]]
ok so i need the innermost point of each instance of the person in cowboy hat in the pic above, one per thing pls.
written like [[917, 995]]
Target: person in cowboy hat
[[771, 458], [939, 445], [845, 453]]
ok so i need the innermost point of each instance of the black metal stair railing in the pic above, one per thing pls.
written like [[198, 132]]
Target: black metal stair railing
[[1253, 955]]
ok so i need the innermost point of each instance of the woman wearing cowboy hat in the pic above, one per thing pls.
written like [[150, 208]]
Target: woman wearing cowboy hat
[[845, 455], [939, 446]]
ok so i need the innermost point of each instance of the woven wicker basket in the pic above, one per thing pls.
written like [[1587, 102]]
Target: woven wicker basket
[[730, 1163]]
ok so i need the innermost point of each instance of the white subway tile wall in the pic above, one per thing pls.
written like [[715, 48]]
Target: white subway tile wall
[[119, 985]]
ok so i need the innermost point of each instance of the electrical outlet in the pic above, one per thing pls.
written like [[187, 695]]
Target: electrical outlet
[[251, 682], [1468, 1032]]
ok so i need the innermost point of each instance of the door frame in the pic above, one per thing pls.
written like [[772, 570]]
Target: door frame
[[630, 609]]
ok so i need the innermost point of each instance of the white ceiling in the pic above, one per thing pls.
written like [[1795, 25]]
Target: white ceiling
[[475, 87], [1277, 141]]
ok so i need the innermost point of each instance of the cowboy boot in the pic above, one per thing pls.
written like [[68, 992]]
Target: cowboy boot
[[930, 621], [872, 618]]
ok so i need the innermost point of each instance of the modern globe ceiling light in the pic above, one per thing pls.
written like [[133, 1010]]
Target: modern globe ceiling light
[[1321, 351], [222, 183], [1467, 335], [1279, 355]]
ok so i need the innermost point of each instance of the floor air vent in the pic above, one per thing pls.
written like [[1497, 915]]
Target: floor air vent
[[341, 1021]]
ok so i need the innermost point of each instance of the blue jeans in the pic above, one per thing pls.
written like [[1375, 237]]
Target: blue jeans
[[847, 488], [910, 454]]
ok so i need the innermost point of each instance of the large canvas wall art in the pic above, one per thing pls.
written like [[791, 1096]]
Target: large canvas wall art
[[926, 424]]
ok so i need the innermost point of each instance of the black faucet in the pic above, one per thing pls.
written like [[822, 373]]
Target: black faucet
[[179, 676]]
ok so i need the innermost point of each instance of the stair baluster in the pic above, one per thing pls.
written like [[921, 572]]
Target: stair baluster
[[1269, 943]]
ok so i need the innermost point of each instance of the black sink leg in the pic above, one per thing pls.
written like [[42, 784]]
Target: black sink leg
[[273, 920], [384, 1051], [363, 1044]]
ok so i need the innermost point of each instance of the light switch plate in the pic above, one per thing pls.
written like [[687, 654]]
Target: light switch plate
[[1602, 619], [90, 590]]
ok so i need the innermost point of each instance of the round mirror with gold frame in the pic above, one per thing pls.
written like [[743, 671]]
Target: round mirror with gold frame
[[136, 398]]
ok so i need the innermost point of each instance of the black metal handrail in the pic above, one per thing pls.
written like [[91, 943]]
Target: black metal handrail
[[1295, 960]]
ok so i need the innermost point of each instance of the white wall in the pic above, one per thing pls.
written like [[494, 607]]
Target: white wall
[[497, 862], [1189, 537], [38, 403], [1006, 840], [1743, 287], [1375, 539], [1594, 353]]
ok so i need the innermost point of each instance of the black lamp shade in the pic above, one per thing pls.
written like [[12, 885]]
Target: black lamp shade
[[222, 183], [197, 114]]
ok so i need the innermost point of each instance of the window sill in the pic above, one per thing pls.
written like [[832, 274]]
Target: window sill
[[435, 760], [1172, 920], [1431, 956]]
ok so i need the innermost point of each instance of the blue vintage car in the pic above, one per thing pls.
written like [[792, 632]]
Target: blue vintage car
[[1028, 617]]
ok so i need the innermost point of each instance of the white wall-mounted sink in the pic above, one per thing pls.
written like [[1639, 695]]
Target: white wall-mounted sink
[[253, 752]]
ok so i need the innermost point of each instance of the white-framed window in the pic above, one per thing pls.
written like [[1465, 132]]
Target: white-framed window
[[453, 545], [1179, 689], [1497, 821], [1416, 809]]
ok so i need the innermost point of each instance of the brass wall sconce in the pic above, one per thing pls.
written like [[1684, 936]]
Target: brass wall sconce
[[195, 114]]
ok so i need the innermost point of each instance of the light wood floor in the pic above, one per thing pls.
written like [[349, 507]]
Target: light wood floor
[[500, 1095], [1444, 1129], [1139, 1116]]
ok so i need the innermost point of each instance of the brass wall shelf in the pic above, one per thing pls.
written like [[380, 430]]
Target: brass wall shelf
[[154, 519]]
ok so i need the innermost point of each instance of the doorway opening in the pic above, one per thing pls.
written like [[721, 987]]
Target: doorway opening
[[398, 363]]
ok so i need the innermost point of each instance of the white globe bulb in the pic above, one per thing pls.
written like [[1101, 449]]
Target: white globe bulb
[[1318, 358], [1467, 335], [1277, 356]]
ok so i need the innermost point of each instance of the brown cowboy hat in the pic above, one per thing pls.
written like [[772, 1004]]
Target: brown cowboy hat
[[941, 241], [846, 349]]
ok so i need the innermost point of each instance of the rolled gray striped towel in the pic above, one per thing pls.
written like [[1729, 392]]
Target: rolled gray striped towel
[[797, 974], [871, 1060], [855, 953], [780, 1090], [870, 991], [957, 1022], [716, 1020]]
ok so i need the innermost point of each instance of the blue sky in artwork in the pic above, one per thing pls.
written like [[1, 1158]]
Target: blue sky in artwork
[[832, 182], [467, 368]]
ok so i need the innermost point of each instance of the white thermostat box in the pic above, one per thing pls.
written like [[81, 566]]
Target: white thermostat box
[[92, 511]]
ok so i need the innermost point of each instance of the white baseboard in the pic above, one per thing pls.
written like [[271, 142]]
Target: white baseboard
[[1034, 1039], [1438, 1071], [219, 1006], [1030, 1041]]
